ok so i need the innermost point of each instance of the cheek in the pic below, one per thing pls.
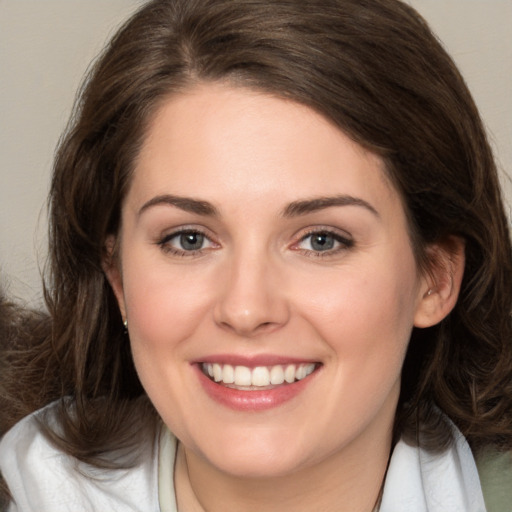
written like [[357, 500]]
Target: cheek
[[366, 319], [164, 309], [365, 313], [164, 304]]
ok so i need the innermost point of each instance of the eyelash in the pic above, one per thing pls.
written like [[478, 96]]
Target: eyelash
[[164, 242], [344, 243]]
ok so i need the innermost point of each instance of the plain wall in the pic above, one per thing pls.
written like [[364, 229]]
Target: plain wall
[[46, 46]]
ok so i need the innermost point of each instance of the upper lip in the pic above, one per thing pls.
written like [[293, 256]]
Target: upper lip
[[253, 361]]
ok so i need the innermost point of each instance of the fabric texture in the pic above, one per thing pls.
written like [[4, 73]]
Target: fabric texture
[[166, 463], [43, 479], [420, 481]]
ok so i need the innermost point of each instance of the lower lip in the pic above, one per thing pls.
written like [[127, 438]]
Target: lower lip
[[243, 400]]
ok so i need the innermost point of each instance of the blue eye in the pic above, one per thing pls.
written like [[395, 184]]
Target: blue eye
[[185, 242], [324, 242], [191, 241]]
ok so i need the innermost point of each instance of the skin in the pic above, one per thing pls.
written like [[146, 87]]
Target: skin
[[257, 286]]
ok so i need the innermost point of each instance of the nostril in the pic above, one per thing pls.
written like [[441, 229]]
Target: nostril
[[250, 330], [249, 308]]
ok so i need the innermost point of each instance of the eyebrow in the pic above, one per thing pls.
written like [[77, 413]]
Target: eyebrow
[[294, 209], [297, 208], [183, 203]]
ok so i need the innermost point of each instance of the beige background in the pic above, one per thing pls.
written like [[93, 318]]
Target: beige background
[[46, 45]]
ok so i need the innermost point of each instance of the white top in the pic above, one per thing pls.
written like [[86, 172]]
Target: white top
[[43, 479]]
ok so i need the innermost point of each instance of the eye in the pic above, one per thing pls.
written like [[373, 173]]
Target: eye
[[185, 242], [190, 241], [323, 241]]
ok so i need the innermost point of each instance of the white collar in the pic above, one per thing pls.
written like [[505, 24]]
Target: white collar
[[420, 481], [167, 452]]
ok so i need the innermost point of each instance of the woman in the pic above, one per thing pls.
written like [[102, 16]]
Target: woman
[[274, 281]]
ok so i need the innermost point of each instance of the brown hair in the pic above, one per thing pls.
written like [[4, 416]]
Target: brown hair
[[374, 68], [23, 332]]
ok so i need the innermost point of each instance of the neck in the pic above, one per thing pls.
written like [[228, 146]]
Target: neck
[[350, 480]]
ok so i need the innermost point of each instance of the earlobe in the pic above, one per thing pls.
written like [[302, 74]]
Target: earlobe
[[442, 281], [113, 274]]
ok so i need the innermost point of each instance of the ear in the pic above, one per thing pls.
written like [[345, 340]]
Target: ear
[[112, 271], [441, 282]]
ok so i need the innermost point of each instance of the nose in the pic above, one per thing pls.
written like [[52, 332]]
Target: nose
[[252, 299]]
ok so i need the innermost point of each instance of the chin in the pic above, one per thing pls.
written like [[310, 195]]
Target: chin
[[258, 467], [258, 458]]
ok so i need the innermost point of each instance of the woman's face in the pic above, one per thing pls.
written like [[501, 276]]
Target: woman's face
[[262, 246]]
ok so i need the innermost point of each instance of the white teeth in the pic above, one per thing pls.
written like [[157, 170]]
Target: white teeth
[[289, 373], [300, 373], [260, 376], [243, 376], [228, 374], [276, 375], [217, 372]]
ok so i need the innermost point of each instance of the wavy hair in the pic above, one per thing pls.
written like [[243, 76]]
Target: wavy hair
[[372, 67], [23, 361]]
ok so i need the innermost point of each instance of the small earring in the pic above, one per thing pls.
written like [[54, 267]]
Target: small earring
[[430, 292], [125, 324]]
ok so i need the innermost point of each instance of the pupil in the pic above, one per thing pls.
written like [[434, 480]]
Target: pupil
[[322, 242], [191, 241]]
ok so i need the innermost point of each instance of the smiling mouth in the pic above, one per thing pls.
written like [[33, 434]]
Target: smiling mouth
[[259, 377]]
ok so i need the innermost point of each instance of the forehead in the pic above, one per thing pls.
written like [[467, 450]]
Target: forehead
[[216, 137]]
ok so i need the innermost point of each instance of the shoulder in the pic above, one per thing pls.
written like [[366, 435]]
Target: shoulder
[[495, 471], [43, 478]]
